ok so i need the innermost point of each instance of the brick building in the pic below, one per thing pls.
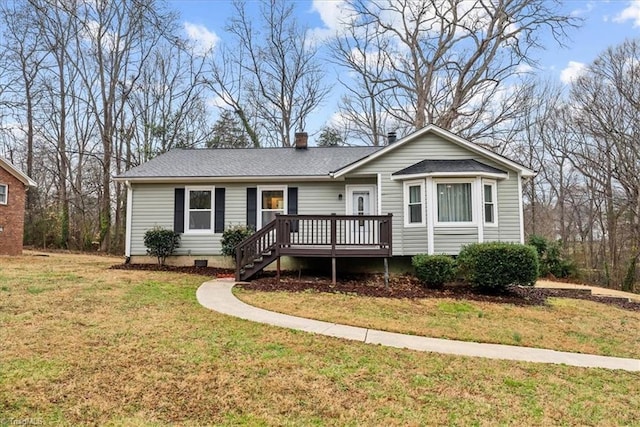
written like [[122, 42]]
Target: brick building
[[13, 193]]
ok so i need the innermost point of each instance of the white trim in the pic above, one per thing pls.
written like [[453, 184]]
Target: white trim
[[259, 210], [208, 179], [406, 198], [187, 190], [494, 195], [450, 174], [431, 211], [349, 189], [379, 194], [9, 167], [478, 202], [520, 208], [522, 170], [6, 194], [474, 206], [127, 232]]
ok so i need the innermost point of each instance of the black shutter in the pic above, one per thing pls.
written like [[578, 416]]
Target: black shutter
[[219, 219], [178, 211], [292, 206], [252, 208]]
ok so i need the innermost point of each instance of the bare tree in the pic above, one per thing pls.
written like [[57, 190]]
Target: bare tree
[[449, 62], [282, 71]]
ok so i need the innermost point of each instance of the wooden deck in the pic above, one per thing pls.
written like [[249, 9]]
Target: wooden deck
[[333, 236]]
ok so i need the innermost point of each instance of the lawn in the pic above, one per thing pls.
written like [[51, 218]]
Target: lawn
[[82, 344], [564, 324]]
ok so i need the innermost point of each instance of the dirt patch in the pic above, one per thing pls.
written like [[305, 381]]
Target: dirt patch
[[404, 286]]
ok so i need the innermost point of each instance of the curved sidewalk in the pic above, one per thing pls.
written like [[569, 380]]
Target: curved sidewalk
[[216, 295]]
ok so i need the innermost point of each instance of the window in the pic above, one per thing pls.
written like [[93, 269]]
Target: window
[[3, 194], [199, 207], [414, 203], [489, 200], [272, 202], [455, 203]]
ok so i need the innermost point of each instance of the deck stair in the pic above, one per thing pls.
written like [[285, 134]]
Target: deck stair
[[333, 236]]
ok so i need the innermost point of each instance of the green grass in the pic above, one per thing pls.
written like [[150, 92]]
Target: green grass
[[564, 324], [112, 347]]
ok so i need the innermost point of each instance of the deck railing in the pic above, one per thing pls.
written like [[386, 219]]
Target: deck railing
[[315, 236]]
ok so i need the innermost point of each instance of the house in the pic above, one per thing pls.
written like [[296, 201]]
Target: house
[[429, 192], [13, 194]]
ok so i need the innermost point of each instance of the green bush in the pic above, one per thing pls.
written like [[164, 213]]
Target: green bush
[[552, 262], [161, 243], [434, 270], [232, 236], [493, 266]]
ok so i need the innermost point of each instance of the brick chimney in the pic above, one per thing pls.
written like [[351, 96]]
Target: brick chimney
[[301, 140], [391, 137]]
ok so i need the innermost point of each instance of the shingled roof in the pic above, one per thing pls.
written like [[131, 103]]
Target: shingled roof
[[248, 162], [448, 166]]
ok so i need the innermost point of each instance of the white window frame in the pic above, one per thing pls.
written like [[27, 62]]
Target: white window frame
[[494, 202], [474, 207], [259, 210], [6, 194], [407, 211], [187, 197]]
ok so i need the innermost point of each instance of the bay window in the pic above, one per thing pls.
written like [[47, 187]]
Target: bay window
[[489, 202], [414, 203], [455, 202]]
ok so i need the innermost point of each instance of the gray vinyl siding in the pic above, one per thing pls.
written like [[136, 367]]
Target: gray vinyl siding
[[153, 205], [450, 240], [413, 240]]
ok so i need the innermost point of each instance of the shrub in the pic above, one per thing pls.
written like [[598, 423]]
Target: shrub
[[494, 266], [551, 259], [161, 243], [232, 236], [434, 270]]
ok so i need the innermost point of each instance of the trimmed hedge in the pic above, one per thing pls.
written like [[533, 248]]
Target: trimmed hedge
[[161, 242], [232, 236], [495, 265], [434, 270]]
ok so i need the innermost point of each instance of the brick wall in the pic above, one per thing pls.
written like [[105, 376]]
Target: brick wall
[[12, 215]]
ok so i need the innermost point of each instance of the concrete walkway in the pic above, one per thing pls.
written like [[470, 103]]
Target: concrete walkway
[[595, 290], [216, 295]]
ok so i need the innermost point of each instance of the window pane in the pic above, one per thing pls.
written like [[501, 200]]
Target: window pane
[[454, 202], [268, 216], [200, 220], [414, 194], [200, 200], [488, 194], [488, 212], [272, 199], [3, 194], [415, 213]]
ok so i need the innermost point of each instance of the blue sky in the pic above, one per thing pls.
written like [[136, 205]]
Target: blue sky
[[606, 23]]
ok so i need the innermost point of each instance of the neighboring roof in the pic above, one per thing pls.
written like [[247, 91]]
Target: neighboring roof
[[426, 167], [248, 162], [9, 167], [501, 160]]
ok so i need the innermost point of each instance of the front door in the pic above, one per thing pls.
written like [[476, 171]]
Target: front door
[[360, 201]]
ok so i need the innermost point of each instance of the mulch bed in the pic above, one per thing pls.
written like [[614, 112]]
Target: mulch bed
[[404, 286]]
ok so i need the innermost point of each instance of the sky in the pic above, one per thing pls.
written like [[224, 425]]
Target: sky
[[605, 23]]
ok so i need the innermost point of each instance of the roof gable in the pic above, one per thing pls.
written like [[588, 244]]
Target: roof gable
[[447, 136], [9, 167]]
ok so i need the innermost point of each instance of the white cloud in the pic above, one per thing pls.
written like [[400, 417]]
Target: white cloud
[[333, 13], [572, 72], [203, 39], [630, 13]]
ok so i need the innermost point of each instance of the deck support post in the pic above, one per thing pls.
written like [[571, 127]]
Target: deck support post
[[333, 271], [278, 270], [386, 273]]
